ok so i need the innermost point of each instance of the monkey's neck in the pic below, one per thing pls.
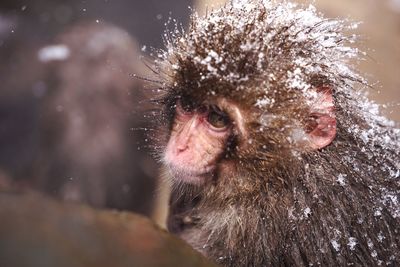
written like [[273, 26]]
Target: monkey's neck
[[182, 213], [232, 234]]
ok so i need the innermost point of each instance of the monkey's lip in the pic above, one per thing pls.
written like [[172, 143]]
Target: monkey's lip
[[190, 176]]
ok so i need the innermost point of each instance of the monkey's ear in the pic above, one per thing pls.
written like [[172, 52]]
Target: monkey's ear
[[321, 128]]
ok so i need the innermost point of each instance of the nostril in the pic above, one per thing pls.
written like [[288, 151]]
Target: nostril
[[181, 148]]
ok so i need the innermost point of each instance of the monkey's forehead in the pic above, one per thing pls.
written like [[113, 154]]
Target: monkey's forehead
[[271, 45]]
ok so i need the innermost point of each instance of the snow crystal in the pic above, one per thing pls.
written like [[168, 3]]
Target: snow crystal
[[291, 215], [370, 244], [54, 53], [297, 135], [374, 254], [297, 79], [243, 5], [263, 102], [392, 198], [378, 212], [380, 237], [335, 245], [352, 243], [307, 212], [341, 179]]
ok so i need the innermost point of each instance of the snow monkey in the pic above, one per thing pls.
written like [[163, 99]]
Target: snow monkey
[[274, 154], [88, 151]]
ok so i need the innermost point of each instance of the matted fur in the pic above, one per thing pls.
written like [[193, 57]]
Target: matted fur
[[283, 205]]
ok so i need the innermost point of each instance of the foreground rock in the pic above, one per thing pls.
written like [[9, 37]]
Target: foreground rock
[[35, 231]]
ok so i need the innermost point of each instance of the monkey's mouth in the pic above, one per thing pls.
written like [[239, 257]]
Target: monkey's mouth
[[190, 176]]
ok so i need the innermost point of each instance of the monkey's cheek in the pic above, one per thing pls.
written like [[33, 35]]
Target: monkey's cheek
[[184, 170], [188, 175], [190, 179]]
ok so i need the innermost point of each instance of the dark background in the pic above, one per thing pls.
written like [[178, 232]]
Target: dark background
[[41, 19]]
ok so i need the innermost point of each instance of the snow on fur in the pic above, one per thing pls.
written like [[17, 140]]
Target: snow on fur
[[262, 48]]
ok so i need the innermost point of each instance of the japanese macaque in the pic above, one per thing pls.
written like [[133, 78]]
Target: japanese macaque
[[89, 119], [274, 154]]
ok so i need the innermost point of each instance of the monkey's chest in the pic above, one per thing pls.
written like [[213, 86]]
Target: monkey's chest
[[182, 215]]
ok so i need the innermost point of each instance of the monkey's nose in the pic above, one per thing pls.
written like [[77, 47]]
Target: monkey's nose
[[182, 144], [182, 147]]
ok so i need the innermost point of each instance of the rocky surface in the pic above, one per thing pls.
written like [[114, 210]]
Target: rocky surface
[[36, 231]]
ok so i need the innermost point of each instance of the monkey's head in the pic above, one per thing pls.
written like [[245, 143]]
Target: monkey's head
[[247, 88]]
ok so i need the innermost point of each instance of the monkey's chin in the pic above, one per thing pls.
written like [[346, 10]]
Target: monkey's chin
[[188, 176]]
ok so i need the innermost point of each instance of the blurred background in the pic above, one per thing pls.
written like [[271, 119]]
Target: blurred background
[[71, 115]]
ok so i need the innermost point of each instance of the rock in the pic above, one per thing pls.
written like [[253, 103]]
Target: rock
[[37, 231]]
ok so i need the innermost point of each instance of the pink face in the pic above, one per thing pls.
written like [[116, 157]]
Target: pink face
[[199, 135], [198, 138]]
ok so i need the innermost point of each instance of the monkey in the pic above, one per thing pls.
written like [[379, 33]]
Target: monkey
[[274, 154], [90, 120]]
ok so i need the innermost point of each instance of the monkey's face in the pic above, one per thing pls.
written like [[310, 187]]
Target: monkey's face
[[199, 138], [212, 137]]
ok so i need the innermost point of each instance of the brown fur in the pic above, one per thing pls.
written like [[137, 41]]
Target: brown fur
[[274, 203]]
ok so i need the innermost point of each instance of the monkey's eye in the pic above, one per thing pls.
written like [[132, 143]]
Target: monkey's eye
[[217, 119]]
